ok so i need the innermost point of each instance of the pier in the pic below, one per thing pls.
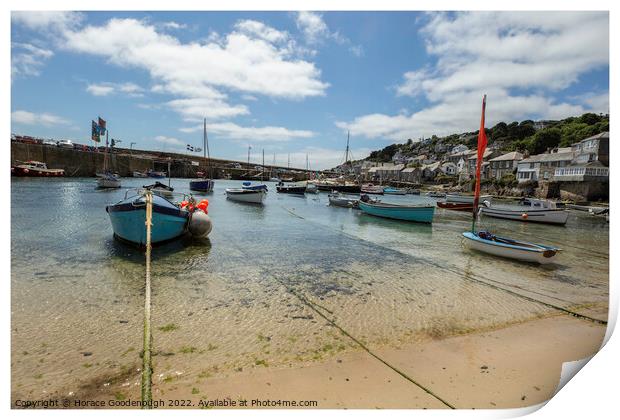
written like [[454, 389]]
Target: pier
[[83, 161]]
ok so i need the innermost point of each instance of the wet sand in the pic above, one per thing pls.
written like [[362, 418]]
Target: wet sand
[[515, 366]]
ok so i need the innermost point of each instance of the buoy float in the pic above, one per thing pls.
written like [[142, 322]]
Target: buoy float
[[200, 224], [524, 216]]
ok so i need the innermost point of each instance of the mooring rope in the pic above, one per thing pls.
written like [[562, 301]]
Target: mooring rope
[[315, 307], [147, 369]]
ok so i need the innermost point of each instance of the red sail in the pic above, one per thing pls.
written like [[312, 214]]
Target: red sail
[[482, 145]]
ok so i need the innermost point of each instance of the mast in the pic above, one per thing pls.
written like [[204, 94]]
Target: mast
[[346, 156], [249, 148], [205, 148], [482, 144], [263, 168], [288, 165], [307, 174]]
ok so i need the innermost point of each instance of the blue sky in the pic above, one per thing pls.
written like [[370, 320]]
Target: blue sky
[[295, 83]]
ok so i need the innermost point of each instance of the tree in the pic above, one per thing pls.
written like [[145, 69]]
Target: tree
[[589, 118], [545, 139]]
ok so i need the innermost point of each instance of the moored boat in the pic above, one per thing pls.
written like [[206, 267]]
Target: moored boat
[[156, 174], [411, 213], [311, 188], [246, 195], [469, 199], [529, 210], [340, 200], [510, 248], [35, 168], [203, 184], [247, 185], [436, 194], [160, 189], [291, 188], [413, 191], [138, 174], [394, 191], [455, 206], [496, 245], [108, 180], [371, 189]]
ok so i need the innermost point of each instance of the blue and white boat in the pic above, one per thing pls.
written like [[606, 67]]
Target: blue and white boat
[[128, 219], [410, 213], [247, 185], [509, 248]]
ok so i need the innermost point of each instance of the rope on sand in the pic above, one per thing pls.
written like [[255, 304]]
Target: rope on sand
[[147, 369]]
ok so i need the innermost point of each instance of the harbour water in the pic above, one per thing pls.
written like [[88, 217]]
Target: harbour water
[[266, 289]]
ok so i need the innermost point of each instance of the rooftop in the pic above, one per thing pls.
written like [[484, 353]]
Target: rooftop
[[508, 156]]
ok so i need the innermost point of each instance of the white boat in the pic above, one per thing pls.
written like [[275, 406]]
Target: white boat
[[340, 200], [245, 196], [138, 174], [108, 180], [468, 199], [274, 179], [529, 210], [436, 194], [312, 188], [510, 248]]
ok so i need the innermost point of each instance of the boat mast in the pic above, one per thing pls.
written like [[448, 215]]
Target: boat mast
[[169, 172], [346, 156], [205, 148], [263, 168], [288, 165], [482, 144]]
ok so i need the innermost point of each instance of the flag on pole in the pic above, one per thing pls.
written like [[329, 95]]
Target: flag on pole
[[94, 134], [190, 148], [101, 126]]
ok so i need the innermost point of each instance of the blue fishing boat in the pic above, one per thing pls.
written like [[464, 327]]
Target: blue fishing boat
[[411, 213], [203, 185], [128, 219]]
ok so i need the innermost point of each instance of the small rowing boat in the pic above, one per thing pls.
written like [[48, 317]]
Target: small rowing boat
[[247, 185], [244, 195], [496, 245], [509, 248]]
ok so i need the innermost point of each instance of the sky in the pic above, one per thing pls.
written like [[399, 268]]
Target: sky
[[296, 83]]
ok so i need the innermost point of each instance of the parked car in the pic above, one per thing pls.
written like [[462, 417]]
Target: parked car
[[50, 142], [66, 144]]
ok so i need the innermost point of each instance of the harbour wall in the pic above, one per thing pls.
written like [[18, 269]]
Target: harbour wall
[[86, 163]]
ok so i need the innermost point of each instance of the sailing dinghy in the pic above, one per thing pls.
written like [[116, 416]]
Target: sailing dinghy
[[489, 243]]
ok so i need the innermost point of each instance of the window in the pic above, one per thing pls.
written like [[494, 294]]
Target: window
[[532, 165]]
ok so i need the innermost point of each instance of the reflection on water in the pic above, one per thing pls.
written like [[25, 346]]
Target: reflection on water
[[239, 300]]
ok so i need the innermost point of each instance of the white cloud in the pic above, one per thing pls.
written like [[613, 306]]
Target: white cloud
[[109, 88], [522, 60], [47, 20], [174, 25], [316, 32], [234, 131], [31, 118], [312, 26], [27, 59]]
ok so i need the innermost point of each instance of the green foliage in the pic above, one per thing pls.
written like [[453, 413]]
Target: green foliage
[[544, 139]]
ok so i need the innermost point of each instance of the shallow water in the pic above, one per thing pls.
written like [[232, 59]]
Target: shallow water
[[262, 289]]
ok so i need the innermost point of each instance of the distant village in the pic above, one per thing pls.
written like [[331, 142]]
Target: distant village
[[578, 172]]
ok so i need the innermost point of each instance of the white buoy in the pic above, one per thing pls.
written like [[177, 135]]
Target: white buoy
[[200, 224]]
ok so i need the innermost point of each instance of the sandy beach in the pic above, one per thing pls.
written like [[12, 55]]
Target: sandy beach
[[515, 366]]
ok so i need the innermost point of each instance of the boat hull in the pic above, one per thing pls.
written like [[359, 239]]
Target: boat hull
[[539, 254], [36, 172], [246, 196], [138, 174], [469, 199], [291, 189], [203, 185], [456, 206], [128, 221], [353, 189], [342, 201], [420, 214], [549, 216], [108, 183], [394, 191]]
